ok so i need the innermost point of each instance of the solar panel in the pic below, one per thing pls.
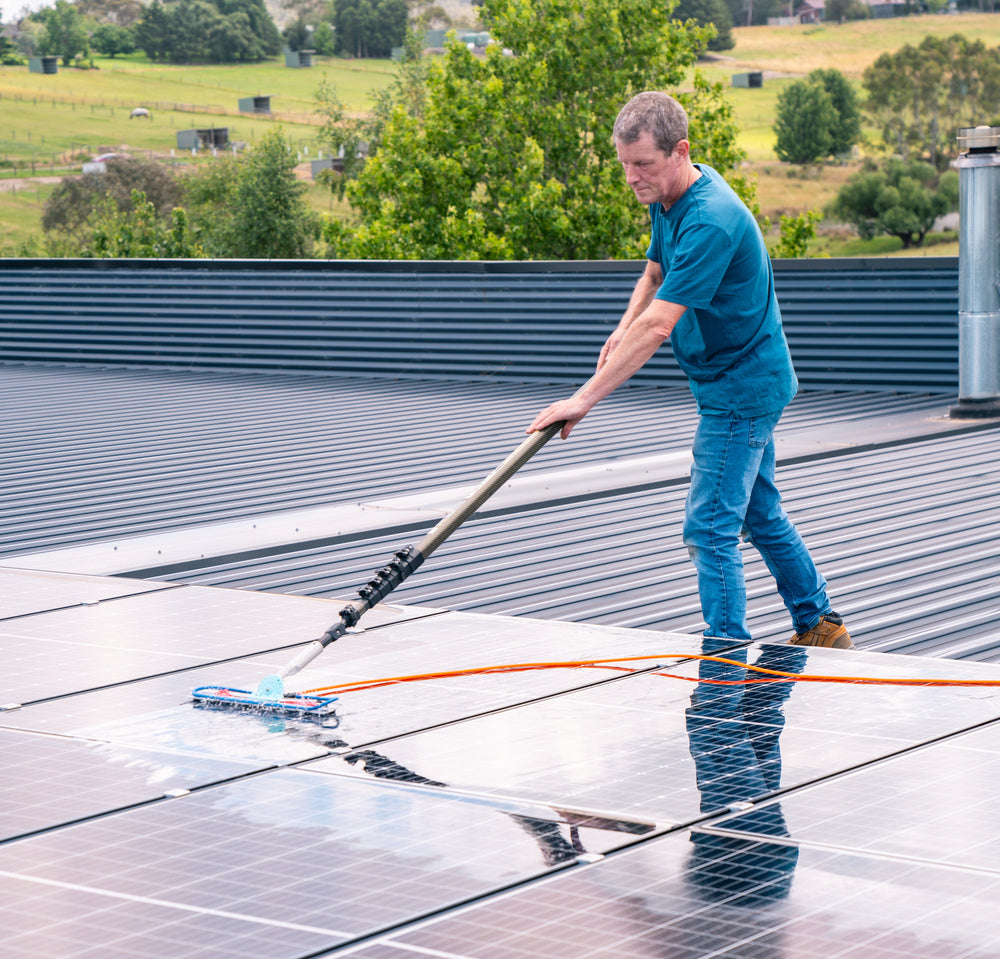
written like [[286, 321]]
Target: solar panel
[[70, 650], [585, 813], [24, 592], [930, 804], [308, 854], [678, 896], [656, 746], [157, 713], [49, 781]]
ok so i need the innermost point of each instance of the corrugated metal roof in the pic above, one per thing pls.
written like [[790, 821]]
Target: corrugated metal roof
[[103, 454], [907, 538], [904, 527], [868, 324]]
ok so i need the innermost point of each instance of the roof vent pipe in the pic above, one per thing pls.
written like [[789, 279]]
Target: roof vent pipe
[[978, 164]]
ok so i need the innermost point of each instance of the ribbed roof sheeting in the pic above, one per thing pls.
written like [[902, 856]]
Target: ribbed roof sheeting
[[96, 455], [907, 538], [100, 455], [871, 324]]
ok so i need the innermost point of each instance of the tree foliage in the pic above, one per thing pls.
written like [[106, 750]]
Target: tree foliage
[[797, 232], [70, 205], [64, 33], [709, 12], [199, 31], [139, 232], [369, 28], [903, 199], [509, 156], [111, 40], [252, 207], [847, 130], [817, 117], [804, 122], [921, 96]]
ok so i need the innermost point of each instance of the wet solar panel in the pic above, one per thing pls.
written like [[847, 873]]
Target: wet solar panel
[[659, 746], [300, 851], [682, 896], [49, 781], [935, 804], [153, 632], [158, 712], [670, 806]]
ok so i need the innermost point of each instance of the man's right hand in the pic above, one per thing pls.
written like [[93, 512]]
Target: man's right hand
[[571, 411]]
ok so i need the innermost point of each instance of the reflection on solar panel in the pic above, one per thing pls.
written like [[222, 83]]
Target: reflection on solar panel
[[663, 807]]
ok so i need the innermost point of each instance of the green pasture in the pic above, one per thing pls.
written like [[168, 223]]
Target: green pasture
[[42, 116], [49, 124], [134, 81], [850, 47]]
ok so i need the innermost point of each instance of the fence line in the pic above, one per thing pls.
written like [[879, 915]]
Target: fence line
[[215, 109]]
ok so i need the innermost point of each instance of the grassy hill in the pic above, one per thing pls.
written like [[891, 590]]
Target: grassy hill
[[49, 124]]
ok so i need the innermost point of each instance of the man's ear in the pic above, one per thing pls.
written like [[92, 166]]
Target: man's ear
[[682, 149]]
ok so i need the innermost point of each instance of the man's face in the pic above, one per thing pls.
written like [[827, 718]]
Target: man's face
[[654, 176]]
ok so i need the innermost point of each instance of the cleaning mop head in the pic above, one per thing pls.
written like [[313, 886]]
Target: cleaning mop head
[[286, 703]]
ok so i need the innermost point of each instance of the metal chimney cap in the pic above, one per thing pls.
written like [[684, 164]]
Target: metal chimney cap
[[978, 139]]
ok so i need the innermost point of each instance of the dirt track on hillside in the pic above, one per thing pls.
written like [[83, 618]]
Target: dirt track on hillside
[[23, 183]]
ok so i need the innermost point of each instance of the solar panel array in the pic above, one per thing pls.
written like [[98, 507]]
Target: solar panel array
[[649, 807]]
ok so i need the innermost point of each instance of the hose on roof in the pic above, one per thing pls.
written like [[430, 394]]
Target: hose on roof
[[764, 675]]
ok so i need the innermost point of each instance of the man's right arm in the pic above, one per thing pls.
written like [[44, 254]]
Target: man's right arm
[[642, 296]]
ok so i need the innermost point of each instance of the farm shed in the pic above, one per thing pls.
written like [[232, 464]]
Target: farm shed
[[204, 139]]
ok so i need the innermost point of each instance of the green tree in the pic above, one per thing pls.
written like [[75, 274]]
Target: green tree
[[111, 40], [208, 197], [189, 25], [268, 215], [71, 203], [298, 35], [223, 31], [797, 232], [152, 32], [64, 34], [9, 56], [709, 12], [139, 232], [846, 131], [920, 96], [369, 28], [324, 40], [510, 155], [804, 123], [903, 199], [258, 23]]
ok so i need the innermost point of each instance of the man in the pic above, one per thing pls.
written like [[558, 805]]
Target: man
[[708, 286]]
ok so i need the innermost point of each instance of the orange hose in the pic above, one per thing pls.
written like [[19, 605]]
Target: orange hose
[[607, 664]]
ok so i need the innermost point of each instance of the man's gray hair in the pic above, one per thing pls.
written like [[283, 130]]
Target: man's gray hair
[[657, 114]]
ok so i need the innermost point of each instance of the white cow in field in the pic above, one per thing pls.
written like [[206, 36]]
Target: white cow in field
[[140, 112]]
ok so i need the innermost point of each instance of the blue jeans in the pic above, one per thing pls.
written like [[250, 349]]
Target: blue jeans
[[732, 494]]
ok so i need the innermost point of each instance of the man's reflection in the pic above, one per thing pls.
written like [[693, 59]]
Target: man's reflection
[[733, 733]]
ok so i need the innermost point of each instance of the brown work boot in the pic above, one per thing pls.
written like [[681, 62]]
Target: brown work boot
[[829, 631]]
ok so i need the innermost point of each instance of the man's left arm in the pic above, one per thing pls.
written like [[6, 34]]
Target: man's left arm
[[647, 333]]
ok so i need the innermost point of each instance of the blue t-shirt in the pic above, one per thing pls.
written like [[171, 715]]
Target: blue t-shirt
[[729, 341]]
